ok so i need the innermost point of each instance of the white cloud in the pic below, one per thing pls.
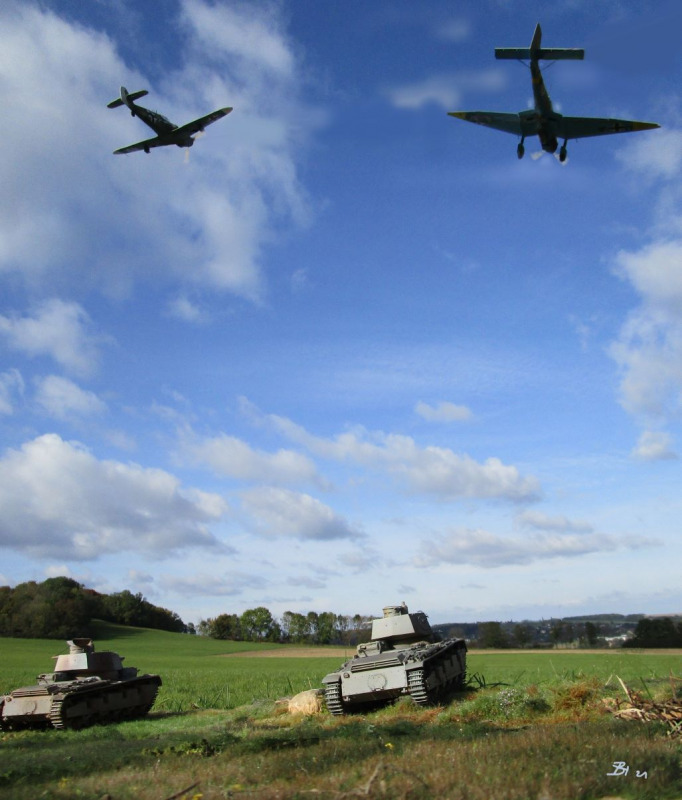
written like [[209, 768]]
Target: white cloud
[[480, 548], [63, 399], [447, 90], [58, 329], [256, 40], [427, 470], [227, 584], [657, 156], [456, 30], [184, 309], [58, 500], [649, 347], [228, 455], [654, 446], [72, 213], [656, 273], [281, 512], [364, 560], [443, 412], [560, 524], [307, 581], [11, 384]]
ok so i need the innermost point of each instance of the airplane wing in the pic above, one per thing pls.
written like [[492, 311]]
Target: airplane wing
[[157, 141], [199, 124], [580, 127], [509, 123]]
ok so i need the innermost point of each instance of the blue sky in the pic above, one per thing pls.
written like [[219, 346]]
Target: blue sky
[[352, 351]]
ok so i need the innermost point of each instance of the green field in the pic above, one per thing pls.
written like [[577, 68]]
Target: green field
[[535, 727]]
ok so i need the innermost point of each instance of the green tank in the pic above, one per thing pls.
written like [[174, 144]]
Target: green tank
[[86, 688], [404, 657]]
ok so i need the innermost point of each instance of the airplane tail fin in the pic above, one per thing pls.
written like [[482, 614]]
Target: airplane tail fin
[[125, 96], [538, 53]]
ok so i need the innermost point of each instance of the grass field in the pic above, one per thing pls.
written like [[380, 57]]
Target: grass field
[[535, 728]]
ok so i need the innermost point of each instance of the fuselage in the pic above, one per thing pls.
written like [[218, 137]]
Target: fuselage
[[159, 124], [541, 120]]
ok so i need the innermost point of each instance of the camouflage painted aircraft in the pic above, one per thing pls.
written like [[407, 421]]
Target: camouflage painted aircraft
[[542, 120], [167, 132]]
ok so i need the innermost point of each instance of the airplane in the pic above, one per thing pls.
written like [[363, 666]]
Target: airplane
[[542, 120], [167, 132]]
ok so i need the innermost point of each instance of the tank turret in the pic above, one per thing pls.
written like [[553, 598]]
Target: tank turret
[[403, 657], [85, 688]]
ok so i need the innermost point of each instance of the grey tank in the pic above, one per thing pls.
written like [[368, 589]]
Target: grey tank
[[85, 688], [403, 657]]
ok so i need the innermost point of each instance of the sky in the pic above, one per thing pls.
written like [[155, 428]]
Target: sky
[[351, 351]]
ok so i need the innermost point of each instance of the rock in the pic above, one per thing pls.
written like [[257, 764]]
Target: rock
[[308, 702]]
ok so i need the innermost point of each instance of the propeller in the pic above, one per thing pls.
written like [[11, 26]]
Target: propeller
[[197, 135]]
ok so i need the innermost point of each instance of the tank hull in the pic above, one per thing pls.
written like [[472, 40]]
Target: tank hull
[[426, 672], [78, 703]]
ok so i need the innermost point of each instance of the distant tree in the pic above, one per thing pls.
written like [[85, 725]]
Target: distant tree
[[492, 635], [556, 632], [256, 624], [225, 626], [300, 629], [656, 632], [326, 627], [521, 635], [57, 608], [591, 633]]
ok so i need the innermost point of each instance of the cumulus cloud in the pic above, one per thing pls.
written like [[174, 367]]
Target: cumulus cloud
[[58, 329], [658, 156], [282, 512], [430, 470], [654, 446], [649, 347], [58, 500], [11, 385], [447, 90], [228, 455], [443, 412], [62, 398], [481, 548], [559, 524], [72, 212]]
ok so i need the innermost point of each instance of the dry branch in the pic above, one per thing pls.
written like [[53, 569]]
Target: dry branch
[[669, 711]]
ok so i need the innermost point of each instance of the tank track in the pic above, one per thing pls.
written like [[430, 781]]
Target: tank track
[[333, 699], [417, 684], [419, 692], [100, 704]]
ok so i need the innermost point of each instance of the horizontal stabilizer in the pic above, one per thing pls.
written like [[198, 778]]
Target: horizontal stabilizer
[[137, 95], [542, 54], [131, 96]]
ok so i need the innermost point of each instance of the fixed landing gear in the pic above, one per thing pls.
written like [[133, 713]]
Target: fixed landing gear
[[563, 153], [520, 150]]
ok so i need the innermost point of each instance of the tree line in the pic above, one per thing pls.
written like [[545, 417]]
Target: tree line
[[61, 608], [657, 632], [259, 625]]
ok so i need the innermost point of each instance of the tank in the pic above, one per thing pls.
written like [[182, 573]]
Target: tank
[[86, 688], [404, 657]]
